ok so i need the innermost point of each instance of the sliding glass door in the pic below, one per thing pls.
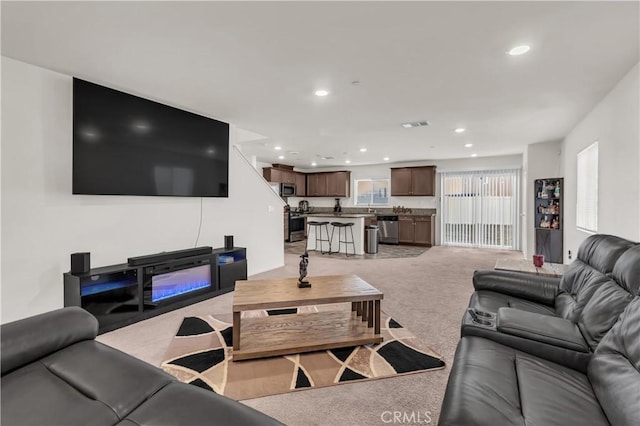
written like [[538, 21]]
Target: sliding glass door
[[480, 209]]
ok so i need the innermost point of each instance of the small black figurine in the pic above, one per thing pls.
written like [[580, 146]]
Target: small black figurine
[[304, 261]]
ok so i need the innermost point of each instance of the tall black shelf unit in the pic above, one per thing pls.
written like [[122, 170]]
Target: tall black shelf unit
[[119, 295], [549, 213]]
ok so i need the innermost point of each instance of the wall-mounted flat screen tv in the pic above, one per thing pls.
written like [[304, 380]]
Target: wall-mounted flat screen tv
[[127, 145]]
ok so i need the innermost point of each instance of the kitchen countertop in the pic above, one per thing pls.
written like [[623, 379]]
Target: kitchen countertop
[[344, 215]]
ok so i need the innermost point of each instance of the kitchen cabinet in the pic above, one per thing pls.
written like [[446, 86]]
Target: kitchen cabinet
[[415, 230], [287, 175], [274, 174], [329, 184], [316, 184], [413, 181], [338, 184], [422, 230], [301, 184], [405, 229]]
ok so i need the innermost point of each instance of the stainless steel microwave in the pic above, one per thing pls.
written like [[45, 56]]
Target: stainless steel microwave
[[287, 190], [284, 189]]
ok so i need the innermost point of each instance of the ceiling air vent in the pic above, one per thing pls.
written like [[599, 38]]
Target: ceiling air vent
[[422, 123], [322, 157]]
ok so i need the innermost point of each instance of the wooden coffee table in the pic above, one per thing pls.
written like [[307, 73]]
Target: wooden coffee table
[[304, 332]]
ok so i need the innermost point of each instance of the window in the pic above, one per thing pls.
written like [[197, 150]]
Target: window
[[587, 193], [372, 192]]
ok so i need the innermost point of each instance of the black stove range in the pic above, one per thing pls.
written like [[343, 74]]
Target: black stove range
[[296, 227]]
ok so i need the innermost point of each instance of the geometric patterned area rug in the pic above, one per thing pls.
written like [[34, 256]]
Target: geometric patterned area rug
[[200, 354]]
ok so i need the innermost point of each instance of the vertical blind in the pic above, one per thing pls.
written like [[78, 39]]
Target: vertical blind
[[480, 208], [587, 190]]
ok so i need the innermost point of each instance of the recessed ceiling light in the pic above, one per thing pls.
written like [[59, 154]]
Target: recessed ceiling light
[[314, 164], [347, 161], [459, 130], [277, 148], [468, 145], [322, 92], [363, 149], [281, 157], [519, 50], [386, 158], [474, 155], [407, 125]]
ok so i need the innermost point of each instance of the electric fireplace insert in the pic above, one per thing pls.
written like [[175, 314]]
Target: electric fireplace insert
[[170, 282]]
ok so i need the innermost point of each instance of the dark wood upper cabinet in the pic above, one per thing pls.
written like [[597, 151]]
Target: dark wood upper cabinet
[[316, 184], [301, 184], [284, 175], [272, 174], [401, 181], [413, 181], [328, 184], [338, 184]]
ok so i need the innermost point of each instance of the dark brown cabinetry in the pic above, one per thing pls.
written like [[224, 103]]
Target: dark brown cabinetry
[[548, 204], [415, 230], [301, 184], [273, 174], [316, 184], [413, 181], [285, 174], [329, 184]]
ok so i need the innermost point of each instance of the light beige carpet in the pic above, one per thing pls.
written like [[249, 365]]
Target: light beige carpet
[[427, 294], [202, 351]]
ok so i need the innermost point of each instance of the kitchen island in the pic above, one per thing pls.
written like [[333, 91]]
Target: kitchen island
[[358, 231]]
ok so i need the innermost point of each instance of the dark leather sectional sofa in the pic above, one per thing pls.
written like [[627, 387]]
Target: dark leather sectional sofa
[[55, 373], [544, 351]]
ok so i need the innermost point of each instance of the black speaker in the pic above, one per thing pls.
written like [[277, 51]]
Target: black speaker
[[80, 263], [228, 242]]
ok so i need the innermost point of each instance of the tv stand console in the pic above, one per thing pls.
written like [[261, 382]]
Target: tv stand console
[[146, 286]]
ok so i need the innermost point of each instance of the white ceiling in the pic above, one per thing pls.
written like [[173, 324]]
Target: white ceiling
[[257, 64]]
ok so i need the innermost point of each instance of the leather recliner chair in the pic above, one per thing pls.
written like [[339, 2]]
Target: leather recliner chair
[[564, 297], [494, 384]]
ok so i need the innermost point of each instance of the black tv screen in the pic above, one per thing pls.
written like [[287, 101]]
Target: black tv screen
[[127, 145]]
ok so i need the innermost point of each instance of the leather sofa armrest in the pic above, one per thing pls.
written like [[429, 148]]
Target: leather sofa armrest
[[30, 339], [539, 328], [537, 288]]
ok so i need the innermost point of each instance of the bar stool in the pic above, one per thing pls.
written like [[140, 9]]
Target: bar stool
[[341, 226], [318, 234]]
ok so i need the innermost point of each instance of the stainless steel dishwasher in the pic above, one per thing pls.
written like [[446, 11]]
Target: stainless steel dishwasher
[[388, 229]]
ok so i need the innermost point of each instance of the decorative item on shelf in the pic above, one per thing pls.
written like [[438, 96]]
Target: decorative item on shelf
[[556, 191], [401, 209], [304, 263], [555, 223], [544, 222], [538, 260], [337, 208]]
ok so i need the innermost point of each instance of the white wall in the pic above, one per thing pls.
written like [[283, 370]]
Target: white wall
[[43, 223], [614, 123], [542, 160]]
